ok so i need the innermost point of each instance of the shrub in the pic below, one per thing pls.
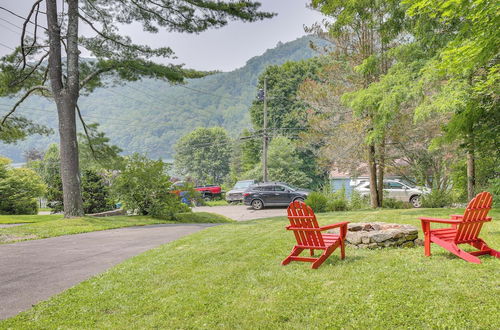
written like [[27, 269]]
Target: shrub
[[143, 186], [391, 203], [317, 201], [494, 189], [437, 198], [19, 189], [358, 202], [95, 193], [340, 204]]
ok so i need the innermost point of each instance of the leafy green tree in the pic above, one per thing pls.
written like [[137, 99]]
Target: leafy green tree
[[462, 76], [287, 113], [114, 53], [284, 164], [204, 155], [19, 189], [95, 193], [143, 187]]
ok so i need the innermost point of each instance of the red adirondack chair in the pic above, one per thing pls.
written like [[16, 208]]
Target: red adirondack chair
[[308, 234], [464, 229]]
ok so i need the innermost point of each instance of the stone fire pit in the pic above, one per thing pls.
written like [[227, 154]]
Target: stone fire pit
[[374, 235]]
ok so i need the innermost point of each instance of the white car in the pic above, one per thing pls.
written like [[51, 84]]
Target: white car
[[235, 195], [397, 189]]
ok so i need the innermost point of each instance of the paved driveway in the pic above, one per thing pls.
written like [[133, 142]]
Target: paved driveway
[[33, 271], [242, 212]]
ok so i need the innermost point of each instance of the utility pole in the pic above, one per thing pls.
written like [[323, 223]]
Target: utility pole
[[264, 135]]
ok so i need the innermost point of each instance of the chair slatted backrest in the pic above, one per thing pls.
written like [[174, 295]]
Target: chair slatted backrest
[[475, 215], [302, 216]]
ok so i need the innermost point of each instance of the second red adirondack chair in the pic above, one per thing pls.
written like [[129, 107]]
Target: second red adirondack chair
[[308, 234], [465, 230]]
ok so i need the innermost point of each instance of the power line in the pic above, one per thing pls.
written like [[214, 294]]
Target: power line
[[8, 47], [210, 93], [21, 17]]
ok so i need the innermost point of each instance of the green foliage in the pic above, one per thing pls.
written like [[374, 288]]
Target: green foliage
[[19, 189], [95, 193], [494, 189], [149, 115], [96, 152], [143, 187], [201, 217], [391, 203], [358, 202], [437, 198], [204, 155], [317, 201], [283, 164], [340, 204]]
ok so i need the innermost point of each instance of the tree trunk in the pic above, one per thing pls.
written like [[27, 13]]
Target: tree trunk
[[380, 173], [66, 99], [471, 173], [372, 165], [70, 171]]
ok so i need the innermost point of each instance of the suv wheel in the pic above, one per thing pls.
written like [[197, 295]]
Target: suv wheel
[[299, 199], [415, 201], [257, 204]]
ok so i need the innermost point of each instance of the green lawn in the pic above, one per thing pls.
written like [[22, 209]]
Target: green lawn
[[6, 219], [230, 277], [44, 226]]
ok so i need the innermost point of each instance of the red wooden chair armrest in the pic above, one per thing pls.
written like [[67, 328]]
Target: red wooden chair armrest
[[440, 220], [456, 216], [302, 228], [335, 225]]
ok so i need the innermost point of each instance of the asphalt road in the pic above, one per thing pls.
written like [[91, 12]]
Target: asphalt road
[[32, 271], [243, 212]]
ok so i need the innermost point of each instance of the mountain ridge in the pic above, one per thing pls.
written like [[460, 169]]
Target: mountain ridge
[[148, 116]]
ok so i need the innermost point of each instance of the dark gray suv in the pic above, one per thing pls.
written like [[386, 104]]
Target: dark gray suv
[[272, 194]]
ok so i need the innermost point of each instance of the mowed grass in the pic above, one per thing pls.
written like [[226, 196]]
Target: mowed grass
[[44, 226], [58, 226], [9, 219], [230, 277]]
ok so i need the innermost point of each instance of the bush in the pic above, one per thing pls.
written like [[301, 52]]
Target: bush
[[201, 217], [317, 201], [391, 203], [95, 193], [358, 202], [340, 204], [437, 198], [143, 187], [19, 189], [494, 189]]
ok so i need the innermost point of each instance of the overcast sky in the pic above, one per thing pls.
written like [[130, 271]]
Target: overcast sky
[[223, 49]]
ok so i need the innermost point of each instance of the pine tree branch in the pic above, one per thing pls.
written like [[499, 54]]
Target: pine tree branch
[[85, 129], [25, 96], [94, 74]]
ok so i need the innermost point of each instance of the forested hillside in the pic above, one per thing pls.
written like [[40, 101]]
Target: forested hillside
[[148, 116]]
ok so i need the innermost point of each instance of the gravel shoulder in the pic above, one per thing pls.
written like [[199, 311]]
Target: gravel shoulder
[[242, 212]]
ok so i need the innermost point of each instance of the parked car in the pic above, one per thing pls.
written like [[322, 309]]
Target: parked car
[[235, 195], [272, 194], [397, 189], [209, 192]]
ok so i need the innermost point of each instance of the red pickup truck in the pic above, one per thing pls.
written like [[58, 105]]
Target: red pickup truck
[[209, 192]]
